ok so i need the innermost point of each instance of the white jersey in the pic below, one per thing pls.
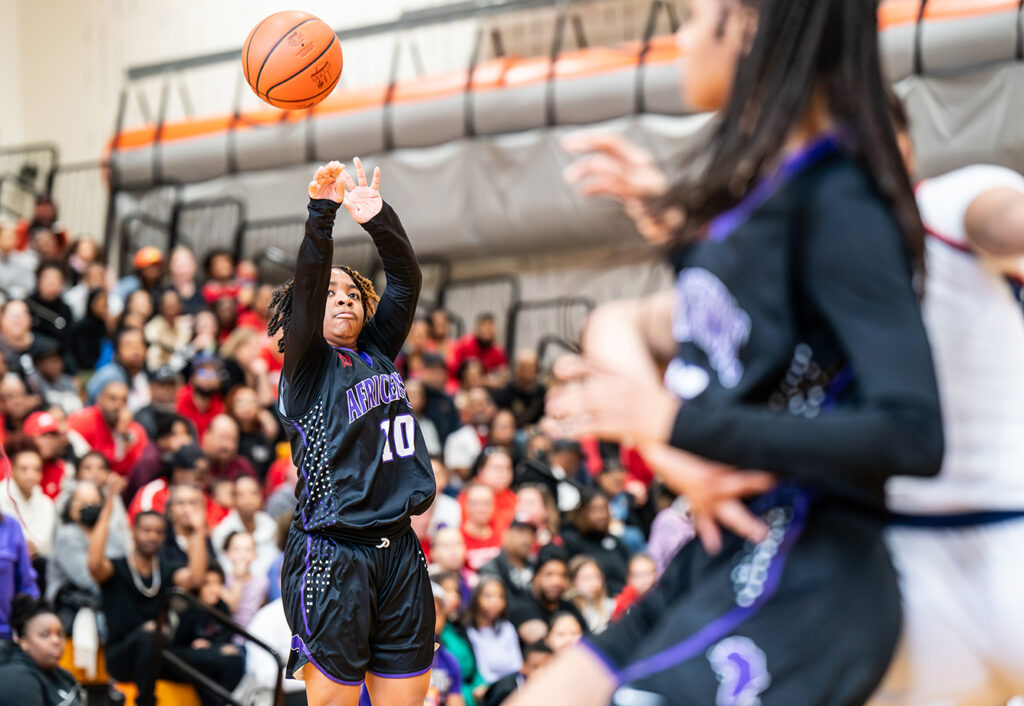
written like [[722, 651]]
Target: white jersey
[[976, 326]]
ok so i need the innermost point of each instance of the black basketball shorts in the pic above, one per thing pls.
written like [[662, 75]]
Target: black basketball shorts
[[808, 617], [356, 607]]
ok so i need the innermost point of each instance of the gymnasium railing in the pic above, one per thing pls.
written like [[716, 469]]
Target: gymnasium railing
[[200, 679]]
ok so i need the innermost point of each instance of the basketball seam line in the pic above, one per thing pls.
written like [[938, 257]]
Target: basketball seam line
[[316, 59], [276, 44], [302, 100], [248, 46]]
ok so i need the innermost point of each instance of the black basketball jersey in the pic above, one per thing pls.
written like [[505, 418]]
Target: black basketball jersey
[[363, 466], [801, 348]]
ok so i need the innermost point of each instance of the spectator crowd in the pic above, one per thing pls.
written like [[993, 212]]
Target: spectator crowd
[[145, 454]]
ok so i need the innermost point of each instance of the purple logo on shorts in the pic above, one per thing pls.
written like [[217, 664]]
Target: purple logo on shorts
[[742, 671]]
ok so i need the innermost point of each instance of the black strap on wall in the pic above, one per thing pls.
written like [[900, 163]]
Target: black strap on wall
[[1020, 30], [640, 97], [918, 31]]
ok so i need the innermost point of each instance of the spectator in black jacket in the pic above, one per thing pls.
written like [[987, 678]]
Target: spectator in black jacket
[[32, 677], [588, 534], [440, 407], [513, 565], [524, 394]]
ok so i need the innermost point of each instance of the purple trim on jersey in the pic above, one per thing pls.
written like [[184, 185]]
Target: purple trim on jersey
[[401, 676], [302, 434], [302, 591], [298, 644], [725, 223], [302, 471], [613, 670], [365, 356], [725, 624]]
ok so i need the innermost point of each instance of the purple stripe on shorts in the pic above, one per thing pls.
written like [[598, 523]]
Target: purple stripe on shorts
[[298, 644], [302, 591], [400, 676], [725, 624]]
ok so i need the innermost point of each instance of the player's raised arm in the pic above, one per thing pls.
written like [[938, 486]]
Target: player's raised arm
[[391, 323], [298, 307]]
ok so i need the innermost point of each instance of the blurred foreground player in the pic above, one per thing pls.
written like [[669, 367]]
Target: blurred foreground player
[[797, 347], [956, 539], [354, 580]]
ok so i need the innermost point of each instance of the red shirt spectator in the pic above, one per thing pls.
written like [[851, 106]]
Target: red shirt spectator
[[481, 346], [107, 427], [43, 427], [482, 542], [220, 447], [201, 400]]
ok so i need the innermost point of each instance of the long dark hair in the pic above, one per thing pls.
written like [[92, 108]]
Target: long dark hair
[[473, 611], [801, 46]]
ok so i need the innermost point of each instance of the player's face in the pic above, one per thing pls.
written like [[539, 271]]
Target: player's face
[[712, 42], [343, 318]]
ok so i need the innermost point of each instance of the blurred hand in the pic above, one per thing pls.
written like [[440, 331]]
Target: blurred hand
[[363, 202], [597, 401], [114, 485], [200, 644], [715, 492], [149, 626], [326, 184], [258, 366], [615, 168], [124, 421], [229, 650], [33, 550]]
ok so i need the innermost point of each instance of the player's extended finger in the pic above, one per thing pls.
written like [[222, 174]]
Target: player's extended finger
[[743, 484], [615, 146], [360, 172], [375, 184], [314, 187], [737, 517], [346, 179], [588, 166], [708, 533], [570, 367]]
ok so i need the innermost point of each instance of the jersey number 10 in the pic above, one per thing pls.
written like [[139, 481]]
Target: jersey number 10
[[404, 437]]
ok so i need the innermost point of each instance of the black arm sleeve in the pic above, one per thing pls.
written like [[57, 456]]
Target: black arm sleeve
[[856, 273], [306, 353], [391, 323]]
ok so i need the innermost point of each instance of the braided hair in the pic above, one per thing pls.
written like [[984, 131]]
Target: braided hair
[[281, 303]]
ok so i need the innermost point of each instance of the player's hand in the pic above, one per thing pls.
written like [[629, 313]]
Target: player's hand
[[200, 644], [615, 168], [715, 492], [326, 183], [596, 401], [363, 202]]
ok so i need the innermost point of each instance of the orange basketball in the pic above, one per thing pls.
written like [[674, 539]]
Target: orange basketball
[[292, 59]]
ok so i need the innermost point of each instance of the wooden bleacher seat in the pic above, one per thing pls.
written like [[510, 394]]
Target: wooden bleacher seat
[[168, 693]]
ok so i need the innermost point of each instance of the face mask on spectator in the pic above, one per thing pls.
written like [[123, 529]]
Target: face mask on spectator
[[89, 515]]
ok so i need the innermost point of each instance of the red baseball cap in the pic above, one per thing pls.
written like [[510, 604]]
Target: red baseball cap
[[39, 423]]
